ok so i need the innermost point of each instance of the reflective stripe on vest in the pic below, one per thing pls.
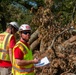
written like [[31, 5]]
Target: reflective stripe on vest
[[24, 70], [6, 40], [4, 52]]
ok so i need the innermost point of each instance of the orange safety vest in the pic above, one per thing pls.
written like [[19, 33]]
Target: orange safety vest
[[4, 46], [23, 70]]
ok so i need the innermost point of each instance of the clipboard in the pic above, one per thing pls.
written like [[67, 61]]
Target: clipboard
[[44, 61]]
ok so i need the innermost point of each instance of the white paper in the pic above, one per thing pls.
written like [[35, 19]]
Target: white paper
[[44, 61]]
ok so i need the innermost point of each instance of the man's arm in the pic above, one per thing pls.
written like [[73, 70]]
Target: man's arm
[[11, 45], [18, 55], [26, 62], [10, 55]]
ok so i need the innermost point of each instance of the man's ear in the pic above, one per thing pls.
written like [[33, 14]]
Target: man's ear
[[11, 30]]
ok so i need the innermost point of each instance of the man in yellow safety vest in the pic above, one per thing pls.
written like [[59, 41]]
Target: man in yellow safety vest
[[23, 62], [7, 42]]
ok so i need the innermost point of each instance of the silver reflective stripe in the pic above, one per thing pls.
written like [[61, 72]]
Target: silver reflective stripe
[[6, 41], [24, 47], [23, 70], [3, 51]]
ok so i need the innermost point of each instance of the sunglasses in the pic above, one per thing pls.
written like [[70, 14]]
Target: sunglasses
[[26, 33]]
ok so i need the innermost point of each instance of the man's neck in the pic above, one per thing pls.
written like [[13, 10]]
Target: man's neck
[[23, 40], [8, 30]]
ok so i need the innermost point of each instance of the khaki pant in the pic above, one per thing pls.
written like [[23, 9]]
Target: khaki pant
[[5, 71]]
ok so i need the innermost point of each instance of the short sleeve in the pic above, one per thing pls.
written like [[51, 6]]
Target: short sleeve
[[18, 54], [12, 42]]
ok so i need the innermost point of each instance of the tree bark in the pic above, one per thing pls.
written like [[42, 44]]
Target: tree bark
[[69, 41], [33, 37], [35, 44]]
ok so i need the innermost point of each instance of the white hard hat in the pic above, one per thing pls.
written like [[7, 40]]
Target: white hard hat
[[14, 24], [24, 27]]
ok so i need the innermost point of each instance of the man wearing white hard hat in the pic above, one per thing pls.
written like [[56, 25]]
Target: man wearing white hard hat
[[23, 62], [7, 42]]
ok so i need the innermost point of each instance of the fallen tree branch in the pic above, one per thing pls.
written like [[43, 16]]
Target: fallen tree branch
[[33, 37], [51, 46], [35, 44], [56, 38]]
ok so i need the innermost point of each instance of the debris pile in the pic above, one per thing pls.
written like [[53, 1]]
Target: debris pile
[[50, 39]]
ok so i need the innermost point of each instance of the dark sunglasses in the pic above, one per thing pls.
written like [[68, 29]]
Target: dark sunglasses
[[26, 33]]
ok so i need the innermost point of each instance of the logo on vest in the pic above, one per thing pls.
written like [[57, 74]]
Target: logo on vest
[[2, 37]]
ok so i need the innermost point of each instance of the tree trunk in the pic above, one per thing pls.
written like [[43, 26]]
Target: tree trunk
[[33, 37], [35, 44]]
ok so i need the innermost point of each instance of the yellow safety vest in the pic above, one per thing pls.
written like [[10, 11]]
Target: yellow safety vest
[[23, 70], [4, 46]]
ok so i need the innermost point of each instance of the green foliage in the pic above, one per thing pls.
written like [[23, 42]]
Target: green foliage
[[15, 12], [64, 10], [40, 2], [18, 15]]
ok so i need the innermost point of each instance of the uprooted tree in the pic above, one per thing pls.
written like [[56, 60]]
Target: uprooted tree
[[50, 39]]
